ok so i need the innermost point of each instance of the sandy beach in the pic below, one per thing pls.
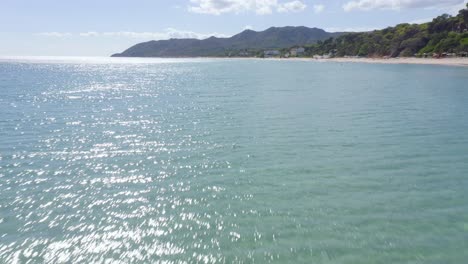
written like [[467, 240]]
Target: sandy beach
[[100, 60], [424, 61], [429, 61]]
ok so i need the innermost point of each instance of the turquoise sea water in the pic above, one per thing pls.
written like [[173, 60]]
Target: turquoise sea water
[[232, 161]]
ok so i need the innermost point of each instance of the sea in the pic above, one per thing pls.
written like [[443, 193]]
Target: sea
[[114, 160]]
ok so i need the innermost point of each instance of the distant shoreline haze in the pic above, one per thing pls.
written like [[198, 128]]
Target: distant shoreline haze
[[445, 35]]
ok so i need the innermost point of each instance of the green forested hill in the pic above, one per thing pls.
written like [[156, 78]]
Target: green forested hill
[[246, 43], [444, 34]]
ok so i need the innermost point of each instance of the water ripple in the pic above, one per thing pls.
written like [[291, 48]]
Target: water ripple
[[243, 161]]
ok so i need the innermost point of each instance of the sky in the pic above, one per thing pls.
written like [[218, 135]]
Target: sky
[[104, 27]]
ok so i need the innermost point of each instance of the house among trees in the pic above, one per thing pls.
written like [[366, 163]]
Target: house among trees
[[271, 53], [295, 52]]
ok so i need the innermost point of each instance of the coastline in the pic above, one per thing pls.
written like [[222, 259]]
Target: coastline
[[423, 61], [460, 62]]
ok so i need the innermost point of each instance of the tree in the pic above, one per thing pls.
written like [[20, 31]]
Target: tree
[[445, 33]]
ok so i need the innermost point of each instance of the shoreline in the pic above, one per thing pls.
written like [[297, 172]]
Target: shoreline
[[459, 61], [421, 61]]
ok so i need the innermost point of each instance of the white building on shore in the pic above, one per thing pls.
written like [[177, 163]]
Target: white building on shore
[[271, 53], [294, 52]]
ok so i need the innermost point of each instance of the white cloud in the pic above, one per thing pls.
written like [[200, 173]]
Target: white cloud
[[456, 8], [398, 4], [351, 29], [89, 34], [131, 34], [260, 7], [293, 6], [166, 34], [319, 8], [248, 27], [420, 21], [54, 34]]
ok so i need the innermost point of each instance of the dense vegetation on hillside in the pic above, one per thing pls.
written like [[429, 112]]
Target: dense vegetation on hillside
[[444, 34]]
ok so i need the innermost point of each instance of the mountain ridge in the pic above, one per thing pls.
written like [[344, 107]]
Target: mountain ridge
[[247, 42]]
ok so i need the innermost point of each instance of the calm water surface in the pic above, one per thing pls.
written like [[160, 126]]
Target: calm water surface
[[241, 161]]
